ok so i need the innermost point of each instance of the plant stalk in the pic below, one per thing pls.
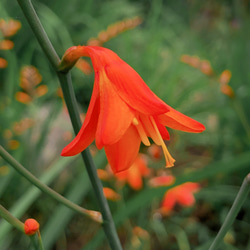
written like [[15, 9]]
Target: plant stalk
[[238, 202], [44, 188], [4, 213]]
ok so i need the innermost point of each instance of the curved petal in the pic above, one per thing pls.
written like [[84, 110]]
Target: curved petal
[[123, 153], [134, 90], [176, 120], [185, 198], [87, 132], [128, 83], [115, 115], [135, 178]]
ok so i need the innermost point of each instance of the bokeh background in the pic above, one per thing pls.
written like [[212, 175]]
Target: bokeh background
[[195, 55]]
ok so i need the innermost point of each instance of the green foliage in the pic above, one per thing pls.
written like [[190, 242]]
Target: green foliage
[[217, 31]]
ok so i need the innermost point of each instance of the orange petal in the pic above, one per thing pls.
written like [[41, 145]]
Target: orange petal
[[164, 180], [134, 90], [176, 120], [110, 194], [135, 178], [3, 63], [122, 154], [87, 132], [41, 90], [128, 83], [185, 198], [169, 201], [6, 45], [184, 193], [23, 97], [115, 115]]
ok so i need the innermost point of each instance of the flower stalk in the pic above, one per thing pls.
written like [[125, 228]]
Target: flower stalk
[[44, 188], [238, 202], [4, 213]]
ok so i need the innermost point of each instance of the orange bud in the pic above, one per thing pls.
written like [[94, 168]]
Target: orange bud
[[29, 78], [205, 68], [9, 28], [23, 97], [3, 63], [193, 61], [227, 90], [31, 226], [225, 76], [6, 45], [110, 194], [103, 174], [41, 90]]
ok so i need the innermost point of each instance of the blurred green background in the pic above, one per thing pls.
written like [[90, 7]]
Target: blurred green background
[[219, 158]]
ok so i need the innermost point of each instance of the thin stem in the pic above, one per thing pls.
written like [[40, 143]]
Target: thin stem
[[65, 80], [40, 243], [238, 202], [31, 178], [4, 213], [108, 223]]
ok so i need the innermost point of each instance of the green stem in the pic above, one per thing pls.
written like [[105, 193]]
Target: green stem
[[4, 213], [108, 223], [40, 240], [65, 80], [26, 174], [238, 202]]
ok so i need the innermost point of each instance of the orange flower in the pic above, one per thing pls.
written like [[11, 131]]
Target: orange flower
[[10, 27], [31, 226], [123, 111], [182, 194], [225, 77], [3, 63], [134, 174]]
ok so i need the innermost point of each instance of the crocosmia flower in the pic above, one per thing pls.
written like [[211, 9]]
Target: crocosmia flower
[[123, 111], [182, 194]]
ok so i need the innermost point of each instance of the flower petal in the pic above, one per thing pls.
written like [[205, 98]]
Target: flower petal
[[128, 83], [115, 115], [134, 90], [169, 201], [176, 120], [87, 132], [185, 198], [123, 153], [135, 178]]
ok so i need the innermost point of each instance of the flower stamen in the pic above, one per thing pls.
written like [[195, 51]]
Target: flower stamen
[[141, 132], [157, 138]]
